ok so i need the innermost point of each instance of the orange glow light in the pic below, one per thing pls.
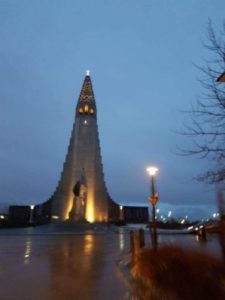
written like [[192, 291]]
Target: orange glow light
[[86, 108], [90, 212]]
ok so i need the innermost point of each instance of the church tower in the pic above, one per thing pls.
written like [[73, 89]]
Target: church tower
[[83, 167]]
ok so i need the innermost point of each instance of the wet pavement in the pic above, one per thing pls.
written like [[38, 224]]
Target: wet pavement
[[46, 263], [61, 266]]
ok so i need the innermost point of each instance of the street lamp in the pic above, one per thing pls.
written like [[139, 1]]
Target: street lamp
[[153, 200], [121, 218], [31, 213]]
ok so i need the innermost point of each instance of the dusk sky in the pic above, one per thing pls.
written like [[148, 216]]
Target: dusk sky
[[141, 55]]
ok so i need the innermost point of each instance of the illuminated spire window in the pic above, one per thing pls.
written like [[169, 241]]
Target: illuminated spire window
[[86, 108], [91, 111], [80, 110]]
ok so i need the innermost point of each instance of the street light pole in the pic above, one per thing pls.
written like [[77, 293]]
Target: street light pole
[[153, 200], [154, 233]]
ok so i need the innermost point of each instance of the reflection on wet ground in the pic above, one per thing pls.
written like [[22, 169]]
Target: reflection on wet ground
[[87, 265], [61, 266]]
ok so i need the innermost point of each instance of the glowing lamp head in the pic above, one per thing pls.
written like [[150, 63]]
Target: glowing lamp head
[[152, 171], [32, 207], [121, 207]]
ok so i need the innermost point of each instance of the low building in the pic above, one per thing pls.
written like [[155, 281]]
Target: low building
[[135, 214], [19, 215], [42, 213]]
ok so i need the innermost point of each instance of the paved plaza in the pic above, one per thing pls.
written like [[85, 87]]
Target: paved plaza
[[50, 262]]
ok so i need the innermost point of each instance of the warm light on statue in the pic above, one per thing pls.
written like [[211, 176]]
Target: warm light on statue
[[90, 211]]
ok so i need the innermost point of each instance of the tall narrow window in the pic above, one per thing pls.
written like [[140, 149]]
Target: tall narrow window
[[80, 110], [86, 108], [91, 111]]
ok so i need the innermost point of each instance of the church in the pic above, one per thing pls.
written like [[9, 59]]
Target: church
[[81, 194]]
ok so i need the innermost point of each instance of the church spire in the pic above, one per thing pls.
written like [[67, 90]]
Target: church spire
[[83, 164], [86, 101], [87, 90]]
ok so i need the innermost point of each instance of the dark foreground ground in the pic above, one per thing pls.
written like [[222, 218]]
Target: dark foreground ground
[[46, 263]]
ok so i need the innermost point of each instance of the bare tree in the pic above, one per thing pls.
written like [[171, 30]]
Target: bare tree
[[207, 122]]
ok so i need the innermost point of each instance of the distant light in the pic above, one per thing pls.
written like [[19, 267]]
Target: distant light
[[85, 122], [54, 217], [191, 227], [169, 213], [88, 72], [152, 170], [121, 207], [2, 217], [214, 215], [157, 210], [32, 207], [182, 221], [186, 217]]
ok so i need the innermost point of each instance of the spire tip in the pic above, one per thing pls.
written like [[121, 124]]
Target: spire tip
[[88, 72]]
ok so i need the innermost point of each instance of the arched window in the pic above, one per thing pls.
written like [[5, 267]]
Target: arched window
[[80, 110], [86, 108], [91, 111]]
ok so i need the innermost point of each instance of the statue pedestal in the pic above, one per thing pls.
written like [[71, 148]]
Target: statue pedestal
[[75, 217]]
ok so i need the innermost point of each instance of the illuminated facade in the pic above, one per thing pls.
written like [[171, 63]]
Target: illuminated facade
[[83, 163]]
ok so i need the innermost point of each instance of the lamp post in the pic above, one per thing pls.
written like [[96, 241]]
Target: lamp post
[[31, 214], [121, 216], [153, 200]]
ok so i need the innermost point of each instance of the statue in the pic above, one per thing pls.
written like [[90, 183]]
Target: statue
[[76, 189], [77, 212]]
